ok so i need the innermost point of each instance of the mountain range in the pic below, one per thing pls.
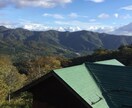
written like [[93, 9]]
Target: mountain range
[[124, 30], [71, 44], [120, 30]]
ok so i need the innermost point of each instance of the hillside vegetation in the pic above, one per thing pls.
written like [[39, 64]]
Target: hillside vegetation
[[69, 44], [122, 54], [14, 75]]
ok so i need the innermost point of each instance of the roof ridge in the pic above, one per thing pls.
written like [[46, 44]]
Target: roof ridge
[[110, 65]]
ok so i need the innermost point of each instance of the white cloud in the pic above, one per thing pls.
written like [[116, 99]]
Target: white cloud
[[116, 15], [25, 24], [96, 1], [59, 16], [42, 27], [72, 29], [127, 16], [74, 25], [92, 20], [104, 16], [62, 22], [35, 26], [127, 7], [105, 29], [73, 15], [56, 16], [97, 27], [9, 24], [34, 3]]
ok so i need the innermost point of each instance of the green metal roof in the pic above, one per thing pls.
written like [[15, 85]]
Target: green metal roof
[[81, 81], [110, 62], [115, 83]]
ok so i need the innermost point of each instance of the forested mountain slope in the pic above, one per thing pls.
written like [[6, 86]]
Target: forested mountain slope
[[14, 41]]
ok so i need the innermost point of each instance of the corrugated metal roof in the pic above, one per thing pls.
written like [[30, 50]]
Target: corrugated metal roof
[[115, 83], [81, 81]]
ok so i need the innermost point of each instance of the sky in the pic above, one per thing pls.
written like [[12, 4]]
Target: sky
[[95, 15]]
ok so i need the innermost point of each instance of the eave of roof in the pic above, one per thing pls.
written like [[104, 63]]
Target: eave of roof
[[33, 83]]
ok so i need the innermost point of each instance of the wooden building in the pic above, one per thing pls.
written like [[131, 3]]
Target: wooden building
[[105, 84]]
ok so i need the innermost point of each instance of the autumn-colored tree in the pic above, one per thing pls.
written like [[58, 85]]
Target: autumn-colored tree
[[3, 90], [101, 51], [10, 79], [42, 65]]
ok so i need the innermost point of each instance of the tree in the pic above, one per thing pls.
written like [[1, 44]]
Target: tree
[[101, 51], [9, 76], [3, 90], [42, 65]]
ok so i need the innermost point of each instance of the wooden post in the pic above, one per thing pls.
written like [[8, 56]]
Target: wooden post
[[9, 96]]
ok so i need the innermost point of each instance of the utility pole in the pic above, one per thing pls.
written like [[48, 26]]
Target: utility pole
[[39, 70], [9, 96], [9, 93]]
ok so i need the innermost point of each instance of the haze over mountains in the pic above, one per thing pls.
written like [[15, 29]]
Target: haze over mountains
[[122, 30], [55, 42]]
